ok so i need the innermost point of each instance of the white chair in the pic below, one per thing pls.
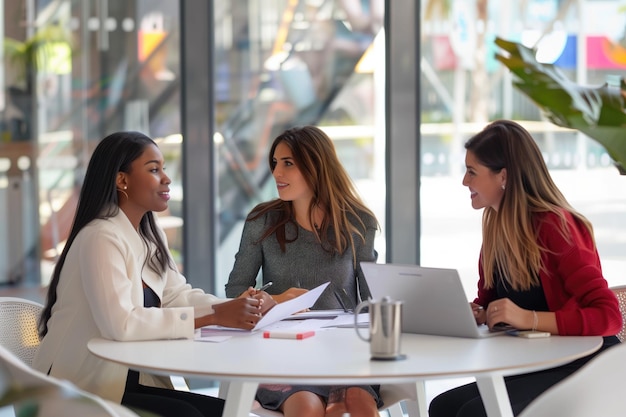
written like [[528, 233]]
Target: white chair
[[620, 293], [19, 333], [594, 390], [414, 399], [18, 327], [24, 388]]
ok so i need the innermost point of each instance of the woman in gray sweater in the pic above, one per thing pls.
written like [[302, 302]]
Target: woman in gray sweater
[[318, 230]]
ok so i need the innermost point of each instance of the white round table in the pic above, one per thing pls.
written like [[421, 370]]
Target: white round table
[[337, 356]]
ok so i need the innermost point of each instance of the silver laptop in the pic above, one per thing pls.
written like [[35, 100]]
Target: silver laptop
[[434, 300]]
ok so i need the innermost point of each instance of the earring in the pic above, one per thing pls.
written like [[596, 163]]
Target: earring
[[503, 187], [123, 192]]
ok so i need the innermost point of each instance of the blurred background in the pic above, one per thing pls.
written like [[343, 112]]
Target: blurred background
[[399, 87]]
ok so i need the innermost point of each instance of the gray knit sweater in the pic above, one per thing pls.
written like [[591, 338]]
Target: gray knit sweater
[[304, 264]]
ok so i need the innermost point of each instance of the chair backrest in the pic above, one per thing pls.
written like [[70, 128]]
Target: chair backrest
[[620, 292], [53, 396], [18, 327], [595, 390]]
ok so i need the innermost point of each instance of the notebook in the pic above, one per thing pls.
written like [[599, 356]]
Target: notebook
[[434, 300]]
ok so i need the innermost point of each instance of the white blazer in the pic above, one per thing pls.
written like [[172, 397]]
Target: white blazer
[[100, 294]]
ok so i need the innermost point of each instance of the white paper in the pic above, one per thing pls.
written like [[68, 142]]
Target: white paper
[[287, 308], [209, 336], [274, 315], [318, 314], [347, 321], [298, 325], [213, 339]]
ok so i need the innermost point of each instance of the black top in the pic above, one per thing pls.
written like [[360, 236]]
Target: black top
[[535, 299], [150, 298], [532, 299]]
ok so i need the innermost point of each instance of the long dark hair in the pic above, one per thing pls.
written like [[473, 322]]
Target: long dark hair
[[99, 200]]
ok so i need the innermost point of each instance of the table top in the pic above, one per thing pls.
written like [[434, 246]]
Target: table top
[[338, 356]]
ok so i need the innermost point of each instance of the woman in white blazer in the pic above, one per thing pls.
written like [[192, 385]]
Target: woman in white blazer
[[116, 279]]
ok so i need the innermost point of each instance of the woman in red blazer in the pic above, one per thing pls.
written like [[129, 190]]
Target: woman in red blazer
[[539, 268]]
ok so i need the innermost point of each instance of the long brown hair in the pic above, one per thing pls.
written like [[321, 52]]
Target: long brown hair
[[510, 245], [333, 191]]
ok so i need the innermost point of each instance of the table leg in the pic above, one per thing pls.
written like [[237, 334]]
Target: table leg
[[223, 390], [239, 398], [419, 407], [495, 397]]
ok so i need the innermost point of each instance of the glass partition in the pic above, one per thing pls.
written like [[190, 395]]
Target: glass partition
[[463, 87], [113, 65], [288, 63], [105, 66], [75, 72]]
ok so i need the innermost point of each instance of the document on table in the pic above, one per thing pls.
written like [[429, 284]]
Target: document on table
[[330, 318], [208, 336], [274, 315], [319, 314], [287, 308], [347, 321]]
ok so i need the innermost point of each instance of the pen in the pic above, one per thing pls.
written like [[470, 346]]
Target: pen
[[348, 298], [266, 286], [345, 309]]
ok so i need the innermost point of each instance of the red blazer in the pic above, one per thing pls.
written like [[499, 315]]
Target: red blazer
[[572, 281]]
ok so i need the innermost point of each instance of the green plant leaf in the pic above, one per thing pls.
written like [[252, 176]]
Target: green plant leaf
[[34, 53], [596, 111]]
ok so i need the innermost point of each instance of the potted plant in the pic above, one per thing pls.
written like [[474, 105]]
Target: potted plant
[[25, 59]]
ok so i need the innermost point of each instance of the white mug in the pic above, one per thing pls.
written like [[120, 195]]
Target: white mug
[[385, 327]]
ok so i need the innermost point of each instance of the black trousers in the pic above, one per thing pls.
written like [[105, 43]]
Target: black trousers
[[465, 401], [168, 402]]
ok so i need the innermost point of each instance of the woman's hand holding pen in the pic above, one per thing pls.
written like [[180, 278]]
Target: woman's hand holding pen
[[270, 301], [267, 301]]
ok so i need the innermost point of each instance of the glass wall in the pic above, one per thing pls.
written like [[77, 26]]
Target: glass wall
[[76, 71], [463, 87], [280, 64], [111, 65], [105, 66]]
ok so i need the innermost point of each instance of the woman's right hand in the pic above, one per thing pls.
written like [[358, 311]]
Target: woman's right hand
[[479, 313], [240, 313], [267, 300], [291, 293]]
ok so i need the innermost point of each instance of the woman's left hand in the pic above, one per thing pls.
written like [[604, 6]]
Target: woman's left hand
[[506, 311]]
